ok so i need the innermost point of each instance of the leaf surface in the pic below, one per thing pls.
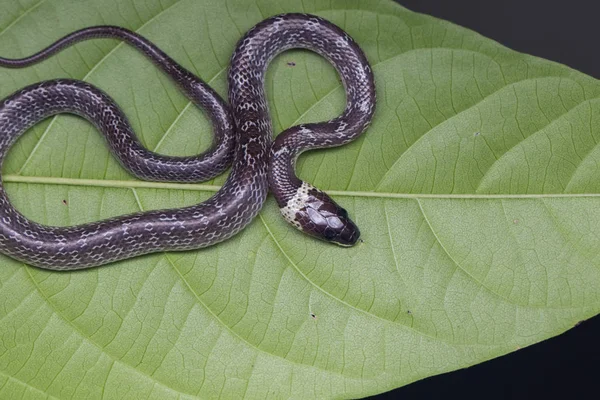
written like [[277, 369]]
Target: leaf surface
[[476, 190]]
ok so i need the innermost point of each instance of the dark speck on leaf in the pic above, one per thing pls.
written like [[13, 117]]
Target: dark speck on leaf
[[477, 134], [409, 312], [291, 64], [64, 202], [313, 316]]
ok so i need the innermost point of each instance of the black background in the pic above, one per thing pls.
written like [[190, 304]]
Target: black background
[[566, 366]]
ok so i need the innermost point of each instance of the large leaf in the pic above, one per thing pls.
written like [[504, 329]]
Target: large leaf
[[476, 190]]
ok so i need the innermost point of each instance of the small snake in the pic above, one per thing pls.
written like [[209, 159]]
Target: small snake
[[242, 133]]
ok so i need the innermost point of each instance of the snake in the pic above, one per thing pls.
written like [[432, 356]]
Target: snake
[[242, 132]]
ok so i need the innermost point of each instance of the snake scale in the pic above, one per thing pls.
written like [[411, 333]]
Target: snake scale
[[243, 135]]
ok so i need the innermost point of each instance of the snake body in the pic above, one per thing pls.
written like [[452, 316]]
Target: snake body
[[242, 133]]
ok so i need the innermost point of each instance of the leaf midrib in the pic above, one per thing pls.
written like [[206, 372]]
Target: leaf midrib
[[199, 187]]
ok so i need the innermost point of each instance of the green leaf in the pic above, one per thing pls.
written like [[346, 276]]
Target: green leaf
[[476, 190]]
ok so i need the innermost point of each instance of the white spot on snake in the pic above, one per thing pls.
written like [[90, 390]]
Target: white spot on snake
[[296, 203]]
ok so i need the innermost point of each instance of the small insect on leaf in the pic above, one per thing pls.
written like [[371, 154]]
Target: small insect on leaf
[[291, 64], [65, 202]]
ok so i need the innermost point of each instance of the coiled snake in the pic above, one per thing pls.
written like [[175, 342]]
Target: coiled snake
[[242, 133]]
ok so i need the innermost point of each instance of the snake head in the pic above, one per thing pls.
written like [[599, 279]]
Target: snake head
[[315, 213]]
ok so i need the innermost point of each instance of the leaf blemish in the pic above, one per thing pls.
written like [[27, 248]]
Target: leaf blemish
[[64, 202], [313, 316], [477, 134], [515, 221], [291, 64]]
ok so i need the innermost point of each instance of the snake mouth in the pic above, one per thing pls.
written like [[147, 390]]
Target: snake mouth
[[345, 245]]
